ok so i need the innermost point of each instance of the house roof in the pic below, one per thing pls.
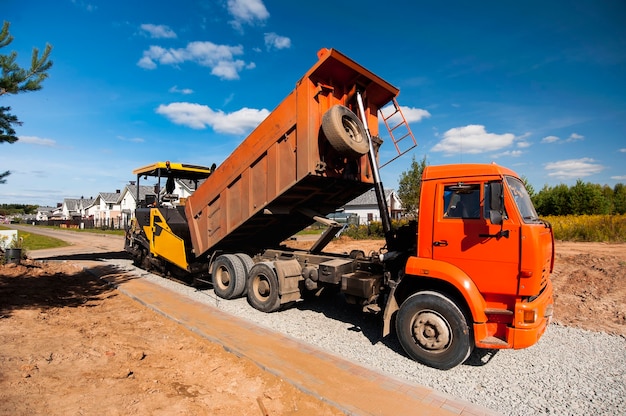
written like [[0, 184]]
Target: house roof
[[368, 198], [73, 204], [110, 197], [46, 209], [143, 191], [189, 184]]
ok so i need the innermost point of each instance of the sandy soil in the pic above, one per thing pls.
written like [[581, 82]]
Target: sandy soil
[[71, 345]]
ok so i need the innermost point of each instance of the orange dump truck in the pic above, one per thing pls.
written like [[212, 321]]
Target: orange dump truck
[[473, 271]]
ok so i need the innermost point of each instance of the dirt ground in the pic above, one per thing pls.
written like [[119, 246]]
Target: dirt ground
[[71, 345]]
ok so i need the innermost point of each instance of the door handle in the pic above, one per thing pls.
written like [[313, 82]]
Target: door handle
[[440, 243], [499, 234]]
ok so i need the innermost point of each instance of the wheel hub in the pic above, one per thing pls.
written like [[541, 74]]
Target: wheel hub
[[431, 331], [262, 288], [224, 278]]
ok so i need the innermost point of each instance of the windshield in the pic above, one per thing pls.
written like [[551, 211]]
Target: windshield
[[522, 199]]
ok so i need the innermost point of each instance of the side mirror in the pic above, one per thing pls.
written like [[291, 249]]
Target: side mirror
[[495, 217], [496, 197]]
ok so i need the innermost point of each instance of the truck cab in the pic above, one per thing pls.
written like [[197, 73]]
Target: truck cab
[[484, 254]]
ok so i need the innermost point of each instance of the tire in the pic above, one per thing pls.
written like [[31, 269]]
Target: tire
[[263, 288], [228, 276], [432, 330], [345, 132], [247, 265]]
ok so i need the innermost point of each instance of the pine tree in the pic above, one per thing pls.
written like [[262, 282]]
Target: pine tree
[[14, 80]]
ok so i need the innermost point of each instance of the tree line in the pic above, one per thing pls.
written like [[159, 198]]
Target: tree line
[[583, 198], [12, 209]]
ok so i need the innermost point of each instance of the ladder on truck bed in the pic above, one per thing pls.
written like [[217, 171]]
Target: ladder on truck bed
[[399, 130]]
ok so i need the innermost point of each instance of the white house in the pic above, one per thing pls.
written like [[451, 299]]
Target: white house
[[128, 199], [106, 210], [75, 208], [44, 213], [366, 207]]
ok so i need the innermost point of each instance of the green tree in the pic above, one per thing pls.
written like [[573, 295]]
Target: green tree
[[587, 198], [410, 184], [553, 200], [15, 79], [619, 198]]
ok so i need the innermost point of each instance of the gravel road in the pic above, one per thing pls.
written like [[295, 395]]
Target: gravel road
[[569, 372]]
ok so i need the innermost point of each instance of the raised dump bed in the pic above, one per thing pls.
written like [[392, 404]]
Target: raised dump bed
[[307, 158]]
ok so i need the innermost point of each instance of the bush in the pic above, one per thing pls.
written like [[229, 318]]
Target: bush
[[373, 230], [599, 228]]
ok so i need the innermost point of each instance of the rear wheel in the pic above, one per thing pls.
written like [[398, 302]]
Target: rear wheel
[[247, 265], [263, 291], [345, 132], [432, 330], [228, 276]]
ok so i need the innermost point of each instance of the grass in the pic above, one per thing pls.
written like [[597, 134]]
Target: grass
[[32, 241], [86, 230]]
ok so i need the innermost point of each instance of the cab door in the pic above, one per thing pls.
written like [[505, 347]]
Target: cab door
[[464, 235]]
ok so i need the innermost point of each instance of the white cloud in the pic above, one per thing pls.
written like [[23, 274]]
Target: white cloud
[[623, 150], [220, 58], [550, 139], [275, 41], [38, 141], [185, 91], [510, 153], [411, 115], [573, 168], [133, 139], [521, 142], [199, 116], [574, 137], [414, 114], [619, 178], [247, 12], [158, 31], [472, 139]]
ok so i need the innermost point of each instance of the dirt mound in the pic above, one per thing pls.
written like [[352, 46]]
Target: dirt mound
[[590, 286]]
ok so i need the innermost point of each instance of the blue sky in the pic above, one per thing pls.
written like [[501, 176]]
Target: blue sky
[[537, 86]]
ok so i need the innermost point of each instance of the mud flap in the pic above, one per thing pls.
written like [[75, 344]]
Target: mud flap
[[391, 307], [289, 274]]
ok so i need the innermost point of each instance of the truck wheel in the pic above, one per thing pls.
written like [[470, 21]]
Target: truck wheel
[[345, 132], [432, 330], [228, 276], [263, 288], [247, 265]]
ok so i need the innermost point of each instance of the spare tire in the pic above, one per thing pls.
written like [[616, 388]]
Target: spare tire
[[345, 132]]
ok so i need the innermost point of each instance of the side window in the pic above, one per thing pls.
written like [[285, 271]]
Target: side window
[[462, 201]]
